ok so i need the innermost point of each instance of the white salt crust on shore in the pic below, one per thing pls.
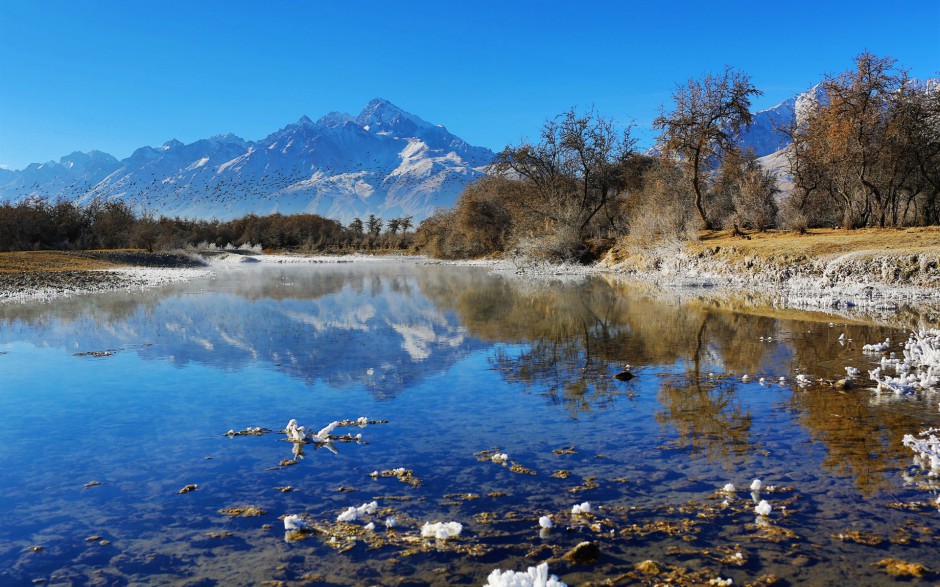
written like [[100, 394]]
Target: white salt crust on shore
[[128, 279]]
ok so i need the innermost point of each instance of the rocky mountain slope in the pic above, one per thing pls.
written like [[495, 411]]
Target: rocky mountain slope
[[385, 161]]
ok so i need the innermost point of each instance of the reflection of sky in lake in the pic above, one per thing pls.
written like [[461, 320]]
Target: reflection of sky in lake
[[458, 362]]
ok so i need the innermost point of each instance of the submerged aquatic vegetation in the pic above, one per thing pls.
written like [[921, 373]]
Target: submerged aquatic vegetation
[[522, 470], [402, 474], [859, 537], [250, 431], [249, 511], [899, 568]]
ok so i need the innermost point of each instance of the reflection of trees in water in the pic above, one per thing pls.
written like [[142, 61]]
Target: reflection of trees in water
[[707, 415], [706, 412], [863, 441], [570, 334], [567, 339], [549, 367], [335, 323]]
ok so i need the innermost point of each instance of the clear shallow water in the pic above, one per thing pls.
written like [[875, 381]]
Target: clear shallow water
[[457, 362]]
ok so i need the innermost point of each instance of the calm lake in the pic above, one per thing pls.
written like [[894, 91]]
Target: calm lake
[[114, 403]]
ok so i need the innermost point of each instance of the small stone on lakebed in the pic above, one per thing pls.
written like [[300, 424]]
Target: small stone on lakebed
[[584, 553]]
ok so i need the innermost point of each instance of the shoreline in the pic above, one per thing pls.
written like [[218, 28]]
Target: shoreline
[[44, 286], [44, 276], [877, 285], [871, 282]]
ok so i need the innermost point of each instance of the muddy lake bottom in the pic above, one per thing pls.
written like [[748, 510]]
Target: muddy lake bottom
[[114, 403]]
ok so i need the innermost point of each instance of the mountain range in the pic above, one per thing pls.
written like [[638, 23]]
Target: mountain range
[[384, 161]]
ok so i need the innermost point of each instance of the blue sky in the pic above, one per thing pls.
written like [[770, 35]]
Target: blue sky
[[116, 75]]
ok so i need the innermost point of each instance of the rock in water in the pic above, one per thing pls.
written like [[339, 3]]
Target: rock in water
[[584, 553], [648, 567], [624, 376]]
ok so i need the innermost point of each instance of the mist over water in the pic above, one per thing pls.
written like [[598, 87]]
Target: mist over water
[[457, 361]]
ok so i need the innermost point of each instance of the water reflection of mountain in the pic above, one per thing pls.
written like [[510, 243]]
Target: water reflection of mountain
[[389, 325], [363, 324]]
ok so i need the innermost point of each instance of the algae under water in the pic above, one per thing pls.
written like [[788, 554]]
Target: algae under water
[[489, 401]]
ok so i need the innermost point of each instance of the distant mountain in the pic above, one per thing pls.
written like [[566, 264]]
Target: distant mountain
[[764, 135], [385, 161], [770, 144]]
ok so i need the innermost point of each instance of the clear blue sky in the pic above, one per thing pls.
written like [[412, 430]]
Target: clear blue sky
[[115, 75]]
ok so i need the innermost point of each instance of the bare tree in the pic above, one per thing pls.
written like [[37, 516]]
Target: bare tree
[[567, 181], [707, 117], [748, 191], [870, 146]]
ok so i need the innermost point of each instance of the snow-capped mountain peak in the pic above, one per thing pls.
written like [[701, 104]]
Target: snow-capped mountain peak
[[380, 115], [334, 119], [386, 162]]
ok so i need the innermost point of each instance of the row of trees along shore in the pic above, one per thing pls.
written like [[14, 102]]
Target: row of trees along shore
[[36, 224], [864, 153]]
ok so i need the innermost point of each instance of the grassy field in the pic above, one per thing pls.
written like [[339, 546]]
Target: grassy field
[[33, 261], [821, 243]]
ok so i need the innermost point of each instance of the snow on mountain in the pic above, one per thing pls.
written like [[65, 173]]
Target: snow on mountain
[[764, 136], [771, 145], [385, 161], [73, 173]]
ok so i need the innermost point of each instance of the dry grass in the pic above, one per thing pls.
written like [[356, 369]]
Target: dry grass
[[821, 243], [33, 261]]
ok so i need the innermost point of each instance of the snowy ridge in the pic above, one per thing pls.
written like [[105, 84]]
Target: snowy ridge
[[385, 161]]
